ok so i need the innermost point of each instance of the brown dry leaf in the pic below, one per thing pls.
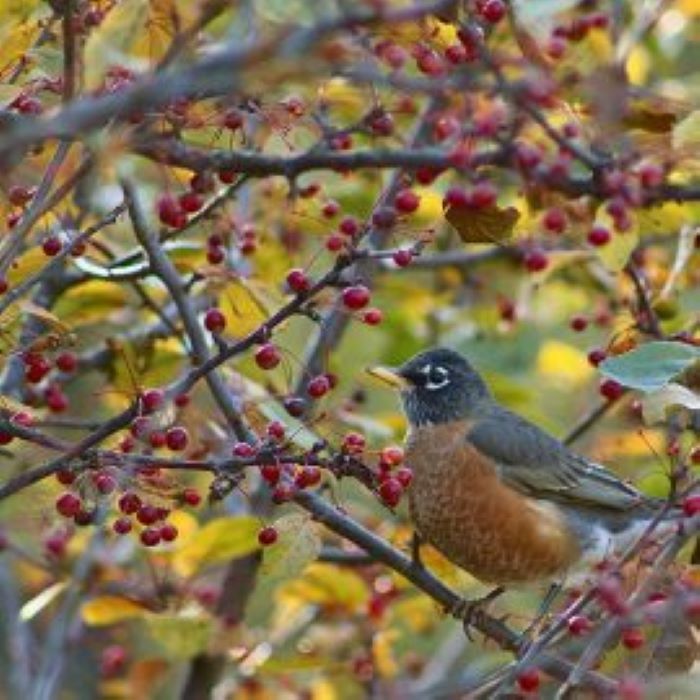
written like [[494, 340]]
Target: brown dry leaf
[[491, 225]]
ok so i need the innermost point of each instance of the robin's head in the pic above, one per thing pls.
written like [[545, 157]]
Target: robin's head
[[437, 386]]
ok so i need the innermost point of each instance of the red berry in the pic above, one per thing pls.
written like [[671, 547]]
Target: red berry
[[68, 505], [310, 475], [270, 473], [406, 201], [51, 246], [318, 386], [554, 220], [56, 401], [556, 47], [599, 236], [579, 625], [298, 281], [202, 182], [104, 483], [596, 356], [633, 638], [529, 680], [391, 491], [384, 218], [152, 400], [191, 497], [295, 406], [456, 53], [170, 211], [349, 226], [372, 317], [267, 356], [129, 503], [353, 443], [190, 202], [5, 437], [456, 197], [611, 595], [168, 532], [176, 438], [147, 514], [404, 475], [67, 361], [275, 430], [227, 176], [65, 477], [330, 209], [356, 297], [233, 119], [691, 505], [243, 449], [651, 175], [140, 427], [536, 260], [19, 195], [181, 400], [611, 390], [214, 320], [4, 285], [283, 493], [267, 536], [122, 526], [578, 323], [156, 439], [150, 536], [483, 195], [392, 455], [334, 243], [403, 257]]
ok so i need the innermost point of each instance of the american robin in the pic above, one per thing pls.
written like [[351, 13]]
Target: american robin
[[494, 493]]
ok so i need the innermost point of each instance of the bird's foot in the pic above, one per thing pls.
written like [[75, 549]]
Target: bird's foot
[[471, 611]]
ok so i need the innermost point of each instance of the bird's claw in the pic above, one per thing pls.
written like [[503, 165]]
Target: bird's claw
[[471, 612]]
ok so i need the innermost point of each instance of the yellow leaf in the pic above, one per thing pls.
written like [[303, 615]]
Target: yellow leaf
[[183, 635], [26, 265], [326, 584], [686, 134], [108, 609], [638, 65], [108, 44], [383, 652], [490, 225], [243, 307], [218, 541], [36, 604], [668, 218], [563, 363], [90, 302]]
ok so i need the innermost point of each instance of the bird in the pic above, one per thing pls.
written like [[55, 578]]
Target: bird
[[497, 495]]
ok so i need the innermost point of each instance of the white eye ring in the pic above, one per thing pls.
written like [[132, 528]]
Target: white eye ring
[[440, 371]]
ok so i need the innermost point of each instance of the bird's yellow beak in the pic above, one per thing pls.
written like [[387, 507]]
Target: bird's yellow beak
[[389, 376]]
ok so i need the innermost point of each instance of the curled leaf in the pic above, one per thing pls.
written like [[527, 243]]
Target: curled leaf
[[488, 225]]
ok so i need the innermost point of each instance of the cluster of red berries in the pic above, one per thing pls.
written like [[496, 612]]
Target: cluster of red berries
[[393, 477]]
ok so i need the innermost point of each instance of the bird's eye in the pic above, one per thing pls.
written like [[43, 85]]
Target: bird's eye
[[436, 377]]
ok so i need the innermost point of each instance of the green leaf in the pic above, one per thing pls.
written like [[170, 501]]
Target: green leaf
[[650, 366], [183, 635], [297, 545]]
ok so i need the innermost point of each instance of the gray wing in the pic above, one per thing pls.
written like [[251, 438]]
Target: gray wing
[[537, 464]]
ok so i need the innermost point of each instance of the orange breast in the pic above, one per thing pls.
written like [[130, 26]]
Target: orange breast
[[461, 507]]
